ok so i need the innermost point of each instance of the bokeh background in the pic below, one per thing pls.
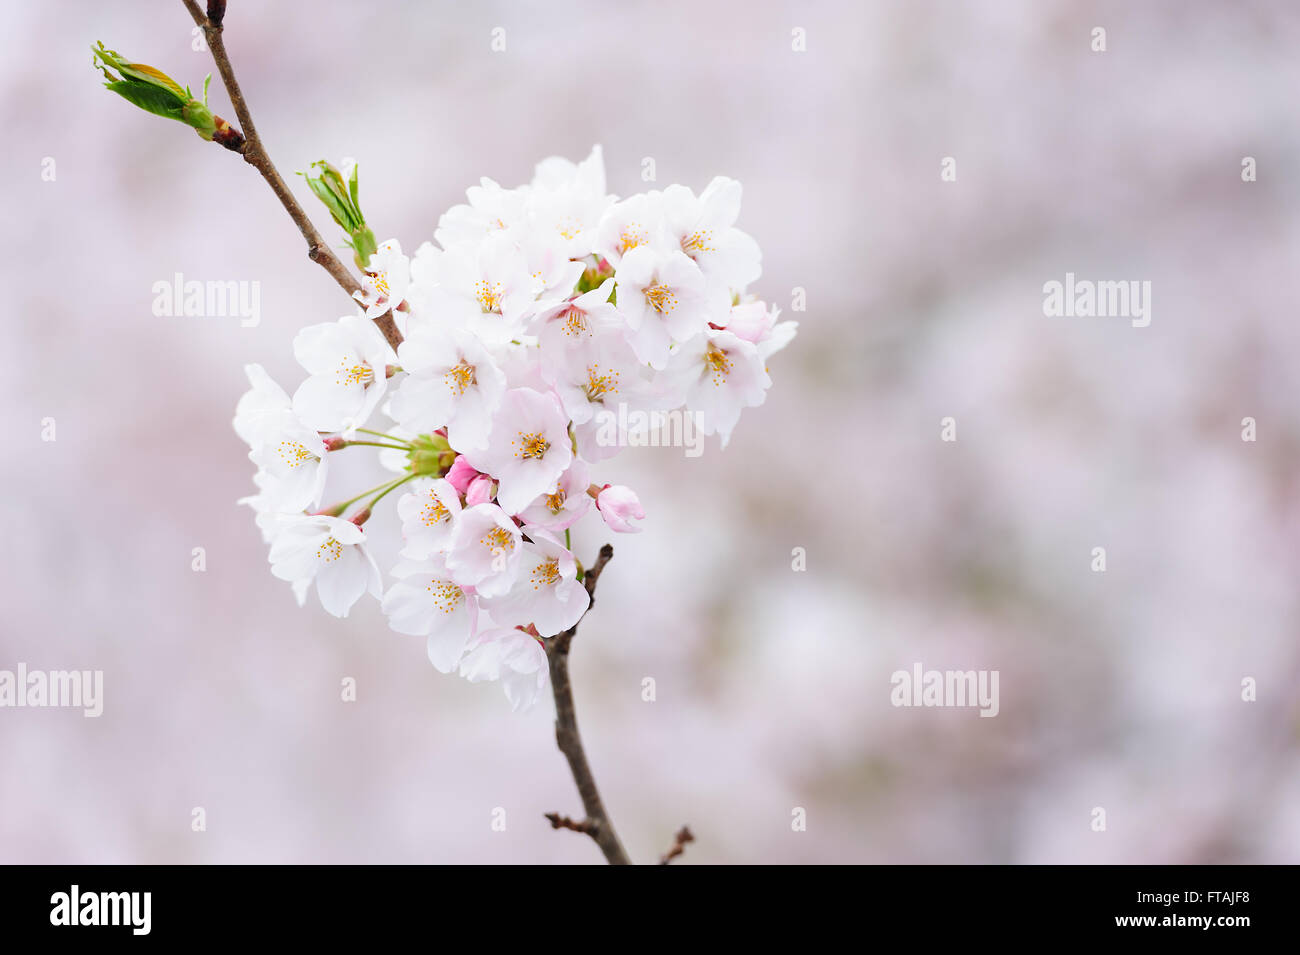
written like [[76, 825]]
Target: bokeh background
[[1119, 690]]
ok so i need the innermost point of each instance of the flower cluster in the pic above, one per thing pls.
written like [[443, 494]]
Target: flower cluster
[[536, 315]]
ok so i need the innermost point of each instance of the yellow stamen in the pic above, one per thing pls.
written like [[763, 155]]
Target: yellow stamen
[[461, 377], [489, 295], [575, 322], [698, 242], [294, 454], [358, 374], [498, 541], [531, 445], [434, 512], [661, 297], [718, 365], [447, 597], [546, 574], [632, 236], [599, 385]]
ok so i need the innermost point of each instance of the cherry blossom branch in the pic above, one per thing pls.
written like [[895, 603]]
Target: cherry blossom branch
[[255, 155], [597, 824], [684, 835]]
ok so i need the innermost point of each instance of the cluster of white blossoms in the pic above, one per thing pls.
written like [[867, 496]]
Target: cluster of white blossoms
[[539, 312]]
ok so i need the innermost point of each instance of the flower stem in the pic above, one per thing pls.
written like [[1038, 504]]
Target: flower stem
[[392, 487], [352, 500], [378, 444], [386, 437]]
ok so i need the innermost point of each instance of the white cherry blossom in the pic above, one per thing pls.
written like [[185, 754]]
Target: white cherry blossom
[[293, 459], [347, 362], [513, 657], [562, 508], [664, 299], [426, 602], [451, 381], [484, 550], [329, 552], [528, 447], [547, 593], [721, 375], [704, 229], [428, 513], [386, 281]]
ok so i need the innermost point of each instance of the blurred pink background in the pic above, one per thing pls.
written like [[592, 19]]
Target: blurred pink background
[[1119, 690]]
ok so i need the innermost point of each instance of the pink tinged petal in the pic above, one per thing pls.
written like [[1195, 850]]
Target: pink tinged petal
[[460, 474], [479, 491], [651, 342], [619, 506]]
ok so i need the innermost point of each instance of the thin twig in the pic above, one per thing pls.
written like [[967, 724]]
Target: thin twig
[[684, 835], [255, 155], [597, 824], [564, 822]]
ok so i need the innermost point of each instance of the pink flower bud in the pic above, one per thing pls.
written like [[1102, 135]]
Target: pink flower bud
[[479, 490], [619, 506], [461, 474]]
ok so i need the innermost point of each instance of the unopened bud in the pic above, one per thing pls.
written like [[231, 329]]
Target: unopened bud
[[339, 194], [156, 92], [430, 454]]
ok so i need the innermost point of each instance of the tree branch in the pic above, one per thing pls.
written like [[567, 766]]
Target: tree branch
[[597, 824], [564, 822], [255, 155], [684, 835]]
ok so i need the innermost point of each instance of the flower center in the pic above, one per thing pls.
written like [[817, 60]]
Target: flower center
[[488, 295], [359, 373], [330, 551], [555, 502], [575, 321], [531, 445], [632, 236], [447, 597], [294, 454], [717, 364], [434, 512], [546, 574], [698, 242], [461, 376], [498, 541], [661, 297], [380, 279], [599, 385]]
